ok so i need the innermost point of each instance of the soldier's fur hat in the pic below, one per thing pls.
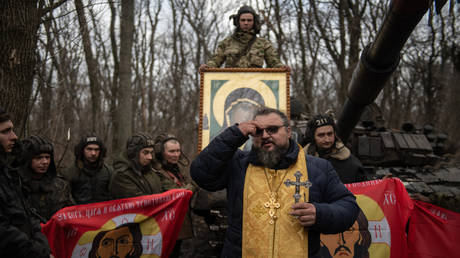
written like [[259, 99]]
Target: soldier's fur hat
[[36, 145], [89, 138], [316, 122], [247, 9], [159, 148], [138, 142]]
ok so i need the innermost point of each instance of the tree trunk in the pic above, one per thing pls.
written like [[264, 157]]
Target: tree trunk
[[19, 24], [92, 66], [123, 112]]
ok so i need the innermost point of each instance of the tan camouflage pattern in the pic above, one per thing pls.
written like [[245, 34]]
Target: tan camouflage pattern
[[261, 50]]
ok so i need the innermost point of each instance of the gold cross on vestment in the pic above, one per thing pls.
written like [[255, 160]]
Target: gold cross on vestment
[[272, 205], [258, 210]]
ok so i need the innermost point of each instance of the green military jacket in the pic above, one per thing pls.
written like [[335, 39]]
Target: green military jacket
[[127, 181], [47, 194], [231, 48]]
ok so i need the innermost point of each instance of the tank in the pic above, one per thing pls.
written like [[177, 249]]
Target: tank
[[379, 60], [414, 154]]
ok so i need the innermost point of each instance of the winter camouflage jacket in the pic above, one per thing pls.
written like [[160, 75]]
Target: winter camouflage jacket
[[231, 48]]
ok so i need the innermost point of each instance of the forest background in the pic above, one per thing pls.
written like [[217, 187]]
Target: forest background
[[117, 67]]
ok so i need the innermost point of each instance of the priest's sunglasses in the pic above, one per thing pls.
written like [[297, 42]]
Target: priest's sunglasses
[[269, 129]]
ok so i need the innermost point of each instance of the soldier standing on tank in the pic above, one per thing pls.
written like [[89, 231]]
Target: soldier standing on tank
[[243, 48], [324, 143], [133, 173], [89, 176], [20, 230], [44, 190]]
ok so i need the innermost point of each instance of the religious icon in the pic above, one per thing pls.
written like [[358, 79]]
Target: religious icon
[[123, 241], [230, 96], [354, 242]]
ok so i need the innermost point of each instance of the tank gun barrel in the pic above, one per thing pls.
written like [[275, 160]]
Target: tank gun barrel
[[379, 60]]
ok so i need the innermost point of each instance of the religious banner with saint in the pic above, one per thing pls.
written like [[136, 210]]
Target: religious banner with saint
[[380, 229], [232, 95], [144, 226]]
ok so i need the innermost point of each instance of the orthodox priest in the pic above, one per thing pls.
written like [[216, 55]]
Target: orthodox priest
[[279, 199]]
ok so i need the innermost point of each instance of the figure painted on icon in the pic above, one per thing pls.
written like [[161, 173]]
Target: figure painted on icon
[[123, 241], [354, 242]]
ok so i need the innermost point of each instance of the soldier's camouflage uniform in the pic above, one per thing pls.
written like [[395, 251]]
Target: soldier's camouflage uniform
[[231, 47]]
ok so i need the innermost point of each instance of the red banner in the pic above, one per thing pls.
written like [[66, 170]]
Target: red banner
[[380, 229], [144, 226], [433, 232]]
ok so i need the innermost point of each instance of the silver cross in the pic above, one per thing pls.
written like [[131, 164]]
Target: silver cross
[[297, 184]]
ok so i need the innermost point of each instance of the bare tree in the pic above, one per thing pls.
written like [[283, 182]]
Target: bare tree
[[92, 66], [19, 24], [341, 36], [123, 113]]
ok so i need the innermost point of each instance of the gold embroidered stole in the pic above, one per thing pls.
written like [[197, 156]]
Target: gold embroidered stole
[[285, 237]]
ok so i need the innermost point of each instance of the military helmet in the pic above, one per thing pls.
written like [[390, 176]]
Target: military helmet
[[159, 148], [36, 145], [85, 140], [316, 122], [160, 141], [246, 9], [138, 142]]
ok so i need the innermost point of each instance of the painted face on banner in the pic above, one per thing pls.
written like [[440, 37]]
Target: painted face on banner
[[116, 243], [343, 244]]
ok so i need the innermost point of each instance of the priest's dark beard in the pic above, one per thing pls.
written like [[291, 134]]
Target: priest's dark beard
[[271, 158]]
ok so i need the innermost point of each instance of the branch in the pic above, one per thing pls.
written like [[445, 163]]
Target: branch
[[52, 7]]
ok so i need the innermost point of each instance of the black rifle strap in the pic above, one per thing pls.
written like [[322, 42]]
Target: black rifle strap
[[245, 51]]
